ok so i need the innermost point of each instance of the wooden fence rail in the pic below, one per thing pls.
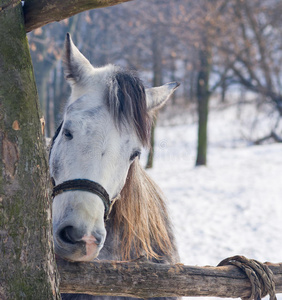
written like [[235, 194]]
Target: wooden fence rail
[[146, 280]]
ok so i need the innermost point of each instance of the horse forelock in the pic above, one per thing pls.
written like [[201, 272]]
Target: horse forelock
[[126, 101]]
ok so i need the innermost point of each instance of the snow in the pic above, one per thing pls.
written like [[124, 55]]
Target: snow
[[232, 206]]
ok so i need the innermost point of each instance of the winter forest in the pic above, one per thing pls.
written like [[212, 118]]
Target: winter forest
[[216, 145], [224, 52], [226, 114]]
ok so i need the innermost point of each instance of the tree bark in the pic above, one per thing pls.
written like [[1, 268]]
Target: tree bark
[[147, 280], [38, 13], [27, 265]]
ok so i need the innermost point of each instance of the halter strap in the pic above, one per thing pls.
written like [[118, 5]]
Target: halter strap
[[87, 186], [54, 137]]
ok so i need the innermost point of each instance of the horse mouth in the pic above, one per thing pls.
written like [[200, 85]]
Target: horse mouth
[[76, 253], [85, 249]]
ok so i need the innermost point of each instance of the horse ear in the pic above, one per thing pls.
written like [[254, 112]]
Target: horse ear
[[76, 65], [157, 96]]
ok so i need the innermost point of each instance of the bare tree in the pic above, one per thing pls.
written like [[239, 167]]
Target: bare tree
[[253, 50], [201, 28]]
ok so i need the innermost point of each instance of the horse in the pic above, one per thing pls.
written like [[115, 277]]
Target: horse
[[105, 205]]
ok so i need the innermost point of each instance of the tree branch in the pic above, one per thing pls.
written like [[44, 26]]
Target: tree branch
[[273, 135], [38, 13], [146, 280]]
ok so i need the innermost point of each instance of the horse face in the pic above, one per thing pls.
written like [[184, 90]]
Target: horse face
[[98, 141], [88, 147]]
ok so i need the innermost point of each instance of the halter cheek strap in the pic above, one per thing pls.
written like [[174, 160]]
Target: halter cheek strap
[[87, 186]]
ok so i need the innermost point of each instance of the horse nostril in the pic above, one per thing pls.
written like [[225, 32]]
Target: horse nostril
[[73, 236], [98, 238], [67, 235]]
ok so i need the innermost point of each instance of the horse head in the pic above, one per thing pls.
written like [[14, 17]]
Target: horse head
[[106, 123]]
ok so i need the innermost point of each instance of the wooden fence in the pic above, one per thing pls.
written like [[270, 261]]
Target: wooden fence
[[147, 280]]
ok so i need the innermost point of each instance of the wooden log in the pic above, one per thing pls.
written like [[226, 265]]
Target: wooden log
[[38, 13], [146, 280]]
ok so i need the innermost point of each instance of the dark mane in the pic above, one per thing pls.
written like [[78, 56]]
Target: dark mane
[[126, 101]]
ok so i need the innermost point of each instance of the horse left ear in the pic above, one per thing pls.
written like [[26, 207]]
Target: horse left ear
[[157, 96], [76, 65]]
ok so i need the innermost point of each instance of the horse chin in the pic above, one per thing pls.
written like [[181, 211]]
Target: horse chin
[[81, 252], [77, 257], [89, 257]]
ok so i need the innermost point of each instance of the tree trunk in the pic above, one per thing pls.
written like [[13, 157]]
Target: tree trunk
[[150, 158], [157, 81], [26, 251], [148, 280], [203, 96], [172, 77]]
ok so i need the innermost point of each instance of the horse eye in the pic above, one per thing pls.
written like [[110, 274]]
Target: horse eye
[[68, 134], [135, 154]]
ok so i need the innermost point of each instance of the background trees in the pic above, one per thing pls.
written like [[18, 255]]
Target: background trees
[[253, 51], [212, 47]]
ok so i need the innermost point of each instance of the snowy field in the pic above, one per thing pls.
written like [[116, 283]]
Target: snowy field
[[232, 206]]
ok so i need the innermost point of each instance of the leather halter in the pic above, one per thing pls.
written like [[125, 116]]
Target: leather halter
[[85, 185]]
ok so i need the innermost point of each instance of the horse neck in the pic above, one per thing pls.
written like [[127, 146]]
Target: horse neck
[[140, 223]]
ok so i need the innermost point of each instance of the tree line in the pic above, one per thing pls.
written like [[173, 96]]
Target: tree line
[[208, 46]]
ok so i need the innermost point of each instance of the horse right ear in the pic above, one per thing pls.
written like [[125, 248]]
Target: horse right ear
[[156, 97], [76, 65]]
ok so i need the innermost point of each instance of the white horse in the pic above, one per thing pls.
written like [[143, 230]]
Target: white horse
[[105, 206]]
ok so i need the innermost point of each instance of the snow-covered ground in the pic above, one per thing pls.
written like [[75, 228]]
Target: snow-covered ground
[[232, 206]]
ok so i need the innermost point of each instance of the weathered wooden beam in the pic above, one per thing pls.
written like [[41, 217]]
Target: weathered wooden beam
[[38, 13], [146, 280]]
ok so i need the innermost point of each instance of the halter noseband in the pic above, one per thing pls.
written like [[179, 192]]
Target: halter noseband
[[87, 186]]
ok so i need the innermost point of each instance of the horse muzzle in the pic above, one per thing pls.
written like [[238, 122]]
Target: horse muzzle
[[80, 208], [72, 244]]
